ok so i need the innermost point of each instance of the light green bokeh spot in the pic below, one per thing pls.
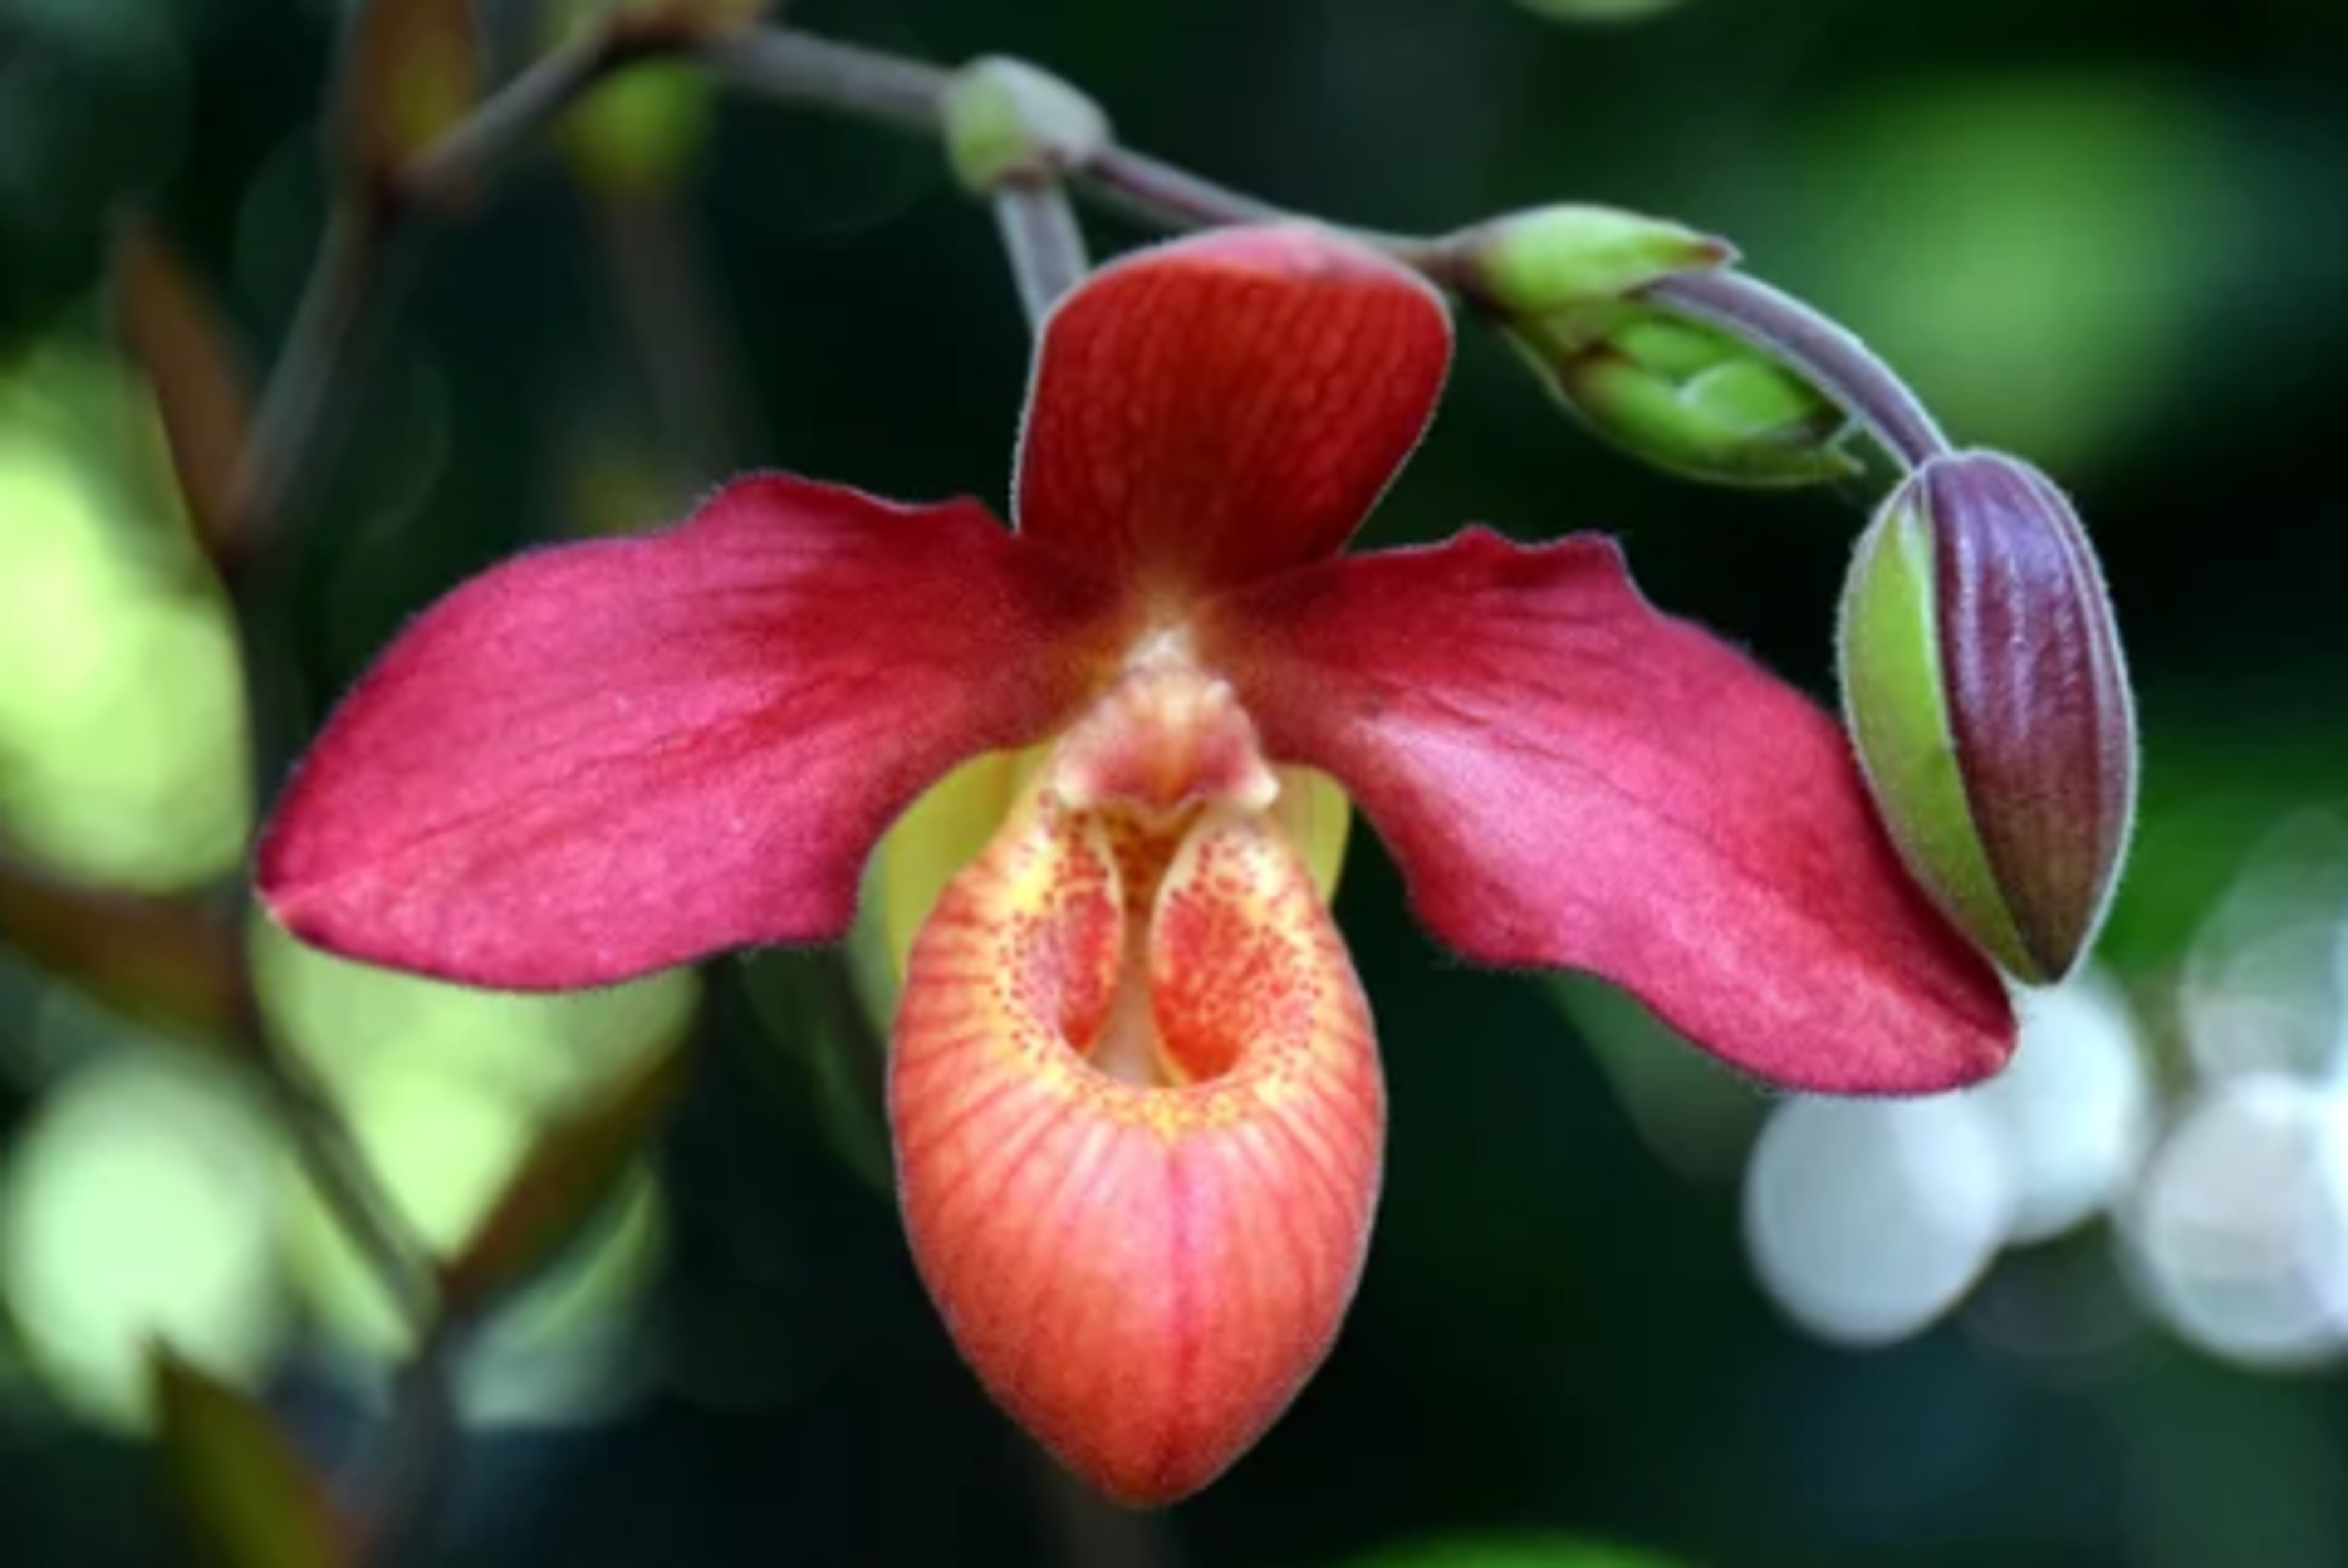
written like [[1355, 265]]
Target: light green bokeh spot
[[447, 1088], [2036, 254], [444, 1149], [140, 1204], [639, 132], [122, 725], [541, 1052]]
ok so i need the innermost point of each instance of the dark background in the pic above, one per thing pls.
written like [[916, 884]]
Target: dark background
[[2108, 235]]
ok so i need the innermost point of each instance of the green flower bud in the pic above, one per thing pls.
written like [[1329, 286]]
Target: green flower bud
[[1687, 397], [1006, 119], [1528, 266], [1985, 687], [639, 132]]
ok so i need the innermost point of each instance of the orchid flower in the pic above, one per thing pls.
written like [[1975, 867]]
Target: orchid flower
[[1135, 1098]]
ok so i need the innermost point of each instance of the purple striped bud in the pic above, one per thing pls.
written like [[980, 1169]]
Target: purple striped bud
[[1985, 687]]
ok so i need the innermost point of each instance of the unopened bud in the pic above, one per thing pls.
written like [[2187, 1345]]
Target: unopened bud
[[639, 132], [1527, 266], [1687, 397], [1985, 687], [1006, 119]]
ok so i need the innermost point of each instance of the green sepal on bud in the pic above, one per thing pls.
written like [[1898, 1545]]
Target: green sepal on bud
[[1688, 398], [1985, 687], [1562, 282], [1549, 261], [1007, 120]]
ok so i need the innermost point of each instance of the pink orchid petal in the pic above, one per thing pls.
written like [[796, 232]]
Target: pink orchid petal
[[604, 758], [1227, 406], [1569, 778]]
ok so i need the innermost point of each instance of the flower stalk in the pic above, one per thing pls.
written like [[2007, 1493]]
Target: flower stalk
[[1040, 237], [1013, 134], [1827, 354]]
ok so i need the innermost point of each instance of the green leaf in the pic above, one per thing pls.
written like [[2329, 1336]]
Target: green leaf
[[246, 1498], [575, 1167]]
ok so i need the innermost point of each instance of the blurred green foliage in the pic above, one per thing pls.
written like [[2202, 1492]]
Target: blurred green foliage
[[250, 1497]]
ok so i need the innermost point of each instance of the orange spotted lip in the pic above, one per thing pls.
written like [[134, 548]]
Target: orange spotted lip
[[1138, 1132]]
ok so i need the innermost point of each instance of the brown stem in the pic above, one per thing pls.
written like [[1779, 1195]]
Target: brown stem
[[678, 341], [455, 168]]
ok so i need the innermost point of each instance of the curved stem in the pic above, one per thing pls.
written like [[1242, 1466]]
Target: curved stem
[[297, 403], [802, 69], [455, 167], [1829, 355], [1164, 196], [818, 73], [1041, 237]]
